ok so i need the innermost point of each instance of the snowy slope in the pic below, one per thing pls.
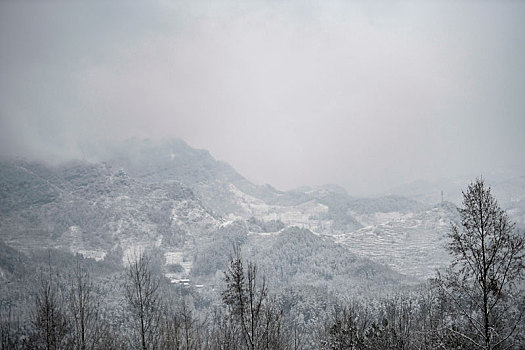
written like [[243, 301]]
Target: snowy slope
[[410, 243]]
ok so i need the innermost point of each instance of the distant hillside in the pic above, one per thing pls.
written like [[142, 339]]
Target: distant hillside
[[413, 243], [174, 160], [13, 264], [190, 207], [293, 257], [93, 209], [308, 259], [508, 189]]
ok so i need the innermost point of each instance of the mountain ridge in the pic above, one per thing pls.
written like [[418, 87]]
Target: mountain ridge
[[172, 197], [102, 212]]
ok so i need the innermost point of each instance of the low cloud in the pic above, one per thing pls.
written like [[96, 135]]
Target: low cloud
[[288, 93]]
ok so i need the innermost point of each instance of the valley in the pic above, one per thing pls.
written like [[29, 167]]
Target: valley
[[181, 201]]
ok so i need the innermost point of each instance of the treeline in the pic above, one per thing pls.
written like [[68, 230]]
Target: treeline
[[70, 315], [477, 303]]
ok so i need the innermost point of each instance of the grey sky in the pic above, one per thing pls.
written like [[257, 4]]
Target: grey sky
[[289, 93]]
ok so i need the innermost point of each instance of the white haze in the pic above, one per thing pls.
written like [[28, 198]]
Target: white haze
[[289, 93]]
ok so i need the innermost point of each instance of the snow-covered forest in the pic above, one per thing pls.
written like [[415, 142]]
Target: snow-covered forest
[[248, 175], [118, 255]]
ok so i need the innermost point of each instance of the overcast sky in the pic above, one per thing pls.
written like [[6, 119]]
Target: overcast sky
[[366, 95]]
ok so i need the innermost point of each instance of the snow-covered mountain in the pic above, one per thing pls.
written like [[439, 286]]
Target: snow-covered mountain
[[190, 208], [94, 210]]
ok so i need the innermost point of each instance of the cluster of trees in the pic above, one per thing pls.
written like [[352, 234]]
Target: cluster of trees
[[477, 303], [70, 315], [64, 316]]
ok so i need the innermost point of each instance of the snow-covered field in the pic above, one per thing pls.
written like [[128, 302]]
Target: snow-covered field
[[413, 244]]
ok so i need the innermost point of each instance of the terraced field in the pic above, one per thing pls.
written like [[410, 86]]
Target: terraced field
[[413, 243]]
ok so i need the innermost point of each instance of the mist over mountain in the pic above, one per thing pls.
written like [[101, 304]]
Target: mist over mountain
[[507, 187], [143, 194], [190, 212], [168, 197], [272, 175]]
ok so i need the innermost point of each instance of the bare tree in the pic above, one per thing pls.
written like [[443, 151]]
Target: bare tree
[[258, 318], [190, 327], [170, 336], [482, 280], [180, 329], [143, 298], [49, 320], [84, 311], [10, 329], [224, 334]]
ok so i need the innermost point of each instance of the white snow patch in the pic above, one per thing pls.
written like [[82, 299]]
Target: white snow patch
[[98, 255], [172, 258], [306, 215]]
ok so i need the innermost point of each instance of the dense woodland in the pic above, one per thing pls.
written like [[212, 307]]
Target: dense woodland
[[77, 303]]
